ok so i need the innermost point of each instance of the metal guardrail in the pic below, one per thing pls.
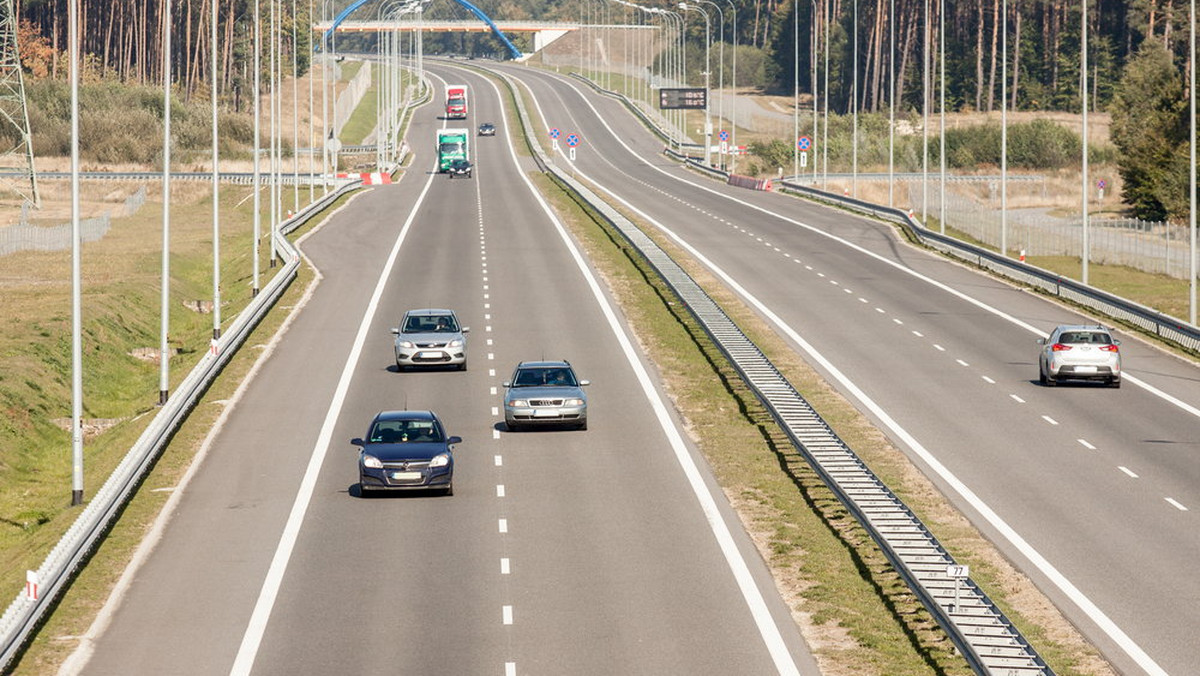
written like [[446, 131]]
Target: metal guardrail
[[25, 613], [986, 638], [1152, 321]]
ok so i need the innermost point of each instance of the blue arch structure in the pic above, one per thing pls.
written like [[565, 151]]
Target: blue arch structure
[[512, 50]]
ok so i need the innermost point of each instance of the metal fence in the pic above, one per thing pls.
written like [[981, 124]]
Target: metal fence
[[25, 236], [1155, 247]]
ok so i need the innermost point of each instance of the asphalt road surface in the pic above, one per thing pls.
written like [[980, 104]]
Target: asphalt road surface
[[1092, 492], [606, 551]]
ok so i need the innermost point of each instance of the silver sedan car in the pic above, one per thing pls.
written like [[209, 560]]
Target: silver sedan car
[[1079, 352], [544, 393], [430, 337]]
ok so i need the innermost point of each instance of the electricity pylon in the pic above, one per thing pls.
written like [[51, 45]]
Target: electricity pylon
[[16, 162]]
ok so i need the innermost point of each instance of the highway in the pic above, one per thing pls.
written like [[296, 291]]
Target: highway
[[1092, 492], [606, 551]]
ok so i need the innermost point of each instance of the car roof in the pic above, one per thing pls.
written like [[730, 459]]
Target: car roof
[[405, 415], [429, 312], [558, 363], [1081, 327]]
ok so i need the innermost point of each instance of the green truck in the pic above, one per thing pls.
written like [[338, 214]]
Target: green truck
[[452, 144]]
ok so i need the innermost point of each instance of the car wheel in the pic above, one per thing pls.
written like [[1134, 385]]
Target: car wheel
[[462, 366], [363, 491], [449, 490], [512, 426], [582, 426], [1115, 383]]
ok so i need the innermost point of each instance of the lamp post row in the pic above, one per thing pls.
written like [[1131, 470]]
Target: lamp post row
[[275, 47]]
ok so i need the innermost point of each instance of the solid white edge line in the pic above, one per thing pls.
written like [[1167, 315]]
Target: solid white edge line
[[252, 639], [1084, 603], [767, 628]]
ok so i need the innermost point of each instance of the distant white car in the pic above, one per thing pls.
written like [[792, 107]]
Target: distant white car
[[1079, 352]]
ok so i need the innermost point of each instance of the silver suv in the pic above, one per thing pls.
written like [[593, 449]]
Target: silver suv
[[431, 337], [1078, 352]]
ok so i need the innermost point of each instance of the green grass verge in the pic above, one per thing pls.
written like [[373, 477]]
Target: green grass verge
[[121, 312]]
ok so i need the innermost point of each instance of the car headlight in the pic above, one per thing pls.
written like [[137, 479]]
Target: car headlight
[[518, 403], [573, 402], [371, 462], [456, 343], [440, 460], [404, 343]]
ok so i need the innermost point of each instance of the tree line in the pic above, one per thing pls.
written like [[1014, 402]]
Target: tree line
[[1137, 56]]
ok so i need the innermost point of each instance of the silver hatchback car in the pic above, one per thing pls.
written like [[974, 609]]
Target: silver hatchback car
[[430, 337], [1080, 352]]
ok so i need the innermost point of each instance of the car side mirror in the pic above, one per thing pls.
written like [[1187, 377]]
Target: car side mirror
[[395, 331], [357, 442], [466, 329], [584, 383], [507, 383], [454, 440], [1116, 342], [1041, 341]]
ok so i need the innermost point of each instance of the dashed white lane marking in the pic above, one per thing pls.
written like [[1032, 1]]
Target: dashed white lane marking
[[488, 317], [493, 389], [503, 525], [1050, 420], [820, 274], [510, 669], [499, 490], [487, 306], [961, 362], [486, 296], [492, 373], [881, 310], [939, 347], [491, 356], [898, 322], [505, 567], [489, 342], [487, 328], [1085, 444], [1017, 399], [495, 433], [1174, 503], [988, 380], [499, 461], [495, 410], [507, 614], [918, 334], [863, 300], [832, 281], [1128, 471]]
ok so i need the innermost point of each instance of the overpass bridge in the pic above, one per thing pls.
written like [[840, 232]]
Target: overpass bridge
[[544, 32]]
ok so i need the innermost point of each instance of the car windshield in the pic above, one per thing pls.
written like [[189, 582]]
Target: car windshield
[[431, 324], [1085, 337], [404, 431], [451, 148], [538, 377]]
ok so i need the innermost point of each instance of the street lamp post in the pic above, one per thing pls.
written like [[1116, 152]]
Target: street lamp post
[[707, 72], [720, 66]]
